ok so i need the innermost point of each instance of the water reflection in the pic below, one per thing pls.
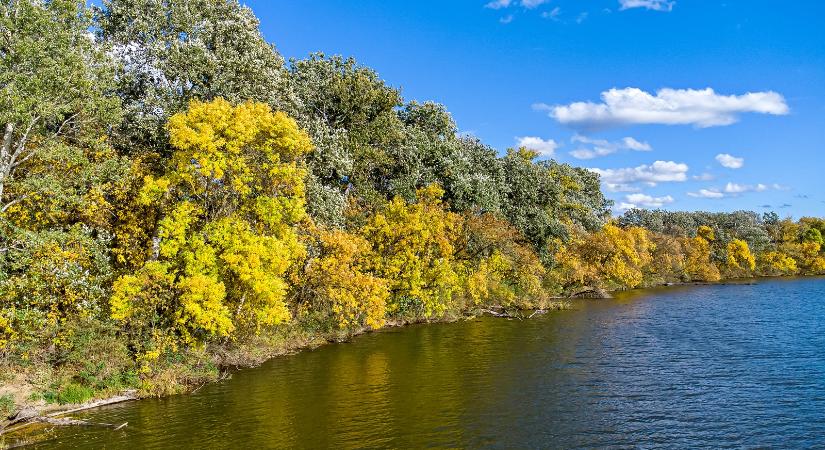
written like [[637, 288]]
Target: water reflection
[[682, 367]]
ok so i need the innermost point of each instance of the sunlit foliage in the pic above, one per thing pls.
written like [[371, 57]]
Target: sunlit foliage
[[230, 203], [414, 247]]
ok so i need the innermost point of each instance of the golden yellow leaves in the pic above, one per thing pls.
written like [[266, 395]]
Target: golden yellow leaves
[[341, 282], [612, 257], [244, 147], [739, 256], [777, 263], [414, 248], [227, 233]]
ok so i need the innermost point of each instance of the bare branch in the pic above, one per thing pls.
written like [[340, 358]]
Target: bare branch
[[12, 203]]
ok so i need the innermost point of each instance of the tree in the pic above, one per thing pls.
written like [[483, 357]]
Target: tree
[[775, 263], [504, 269], [739, 257], [698, 263], [230, 201], [171, 52], [338, 282], [414, 248], [350, 114], [612, 258], [54, 84]]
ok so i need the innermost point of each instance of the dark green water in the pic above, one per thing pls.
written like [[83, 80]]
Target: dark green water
[[708, 366]]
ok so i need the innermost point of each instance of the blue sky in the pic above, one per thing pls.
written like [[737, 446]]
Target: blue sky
[[541, 73]]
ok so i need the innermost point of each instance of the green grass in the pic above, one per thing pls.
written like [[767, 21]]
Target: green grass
[[6, 406], [74, 393]]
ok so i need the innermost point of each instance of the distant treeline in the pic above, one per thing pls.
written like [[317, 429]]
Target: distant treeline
[[172, 191]]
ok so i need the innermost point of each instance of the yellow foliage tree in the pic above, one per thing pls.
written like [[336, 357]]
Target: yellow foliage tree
[[414, 249], [339, 282], [612, 257], [698, 264], [775, 263], [227, 235], [739, 258], [504, 270], [808, 257], [668, 263]]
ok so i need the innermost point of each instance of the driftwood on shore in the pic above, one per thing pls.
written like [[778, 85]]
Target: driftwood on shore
[[503, 313], [590, 292], [29, 416]]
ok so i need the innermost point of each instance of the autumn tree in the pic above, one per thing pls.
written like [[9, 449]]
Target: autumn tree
[[740, 261], [698, 263], [230, 202], [170, 52], [337, 282], [414, 248], [54, 80]]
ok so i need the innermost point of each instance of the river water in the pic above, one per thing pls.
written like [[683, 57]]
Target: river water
[[706, 366]]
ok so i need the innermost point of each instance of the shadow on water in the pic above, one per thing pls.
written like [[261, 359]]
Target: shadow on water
[[721, 366]]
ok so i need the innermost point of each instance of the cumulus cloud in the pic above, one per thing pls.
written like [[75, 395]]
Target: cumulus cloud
[[593, 148], [530, 4], [734, 188], [630, 106], [498, 4], [658, 172], [648, 201], [552, 14], [730, 161], [654, 5], [620, 187], [546, 147], [706, 193]]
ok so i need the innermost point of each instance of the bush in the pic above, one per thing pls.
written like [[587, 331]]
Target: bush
[[7, 406], [74, 393]]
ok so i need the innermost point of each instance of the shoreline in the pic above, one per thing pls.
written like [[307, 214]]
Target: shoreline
[[45, 414]]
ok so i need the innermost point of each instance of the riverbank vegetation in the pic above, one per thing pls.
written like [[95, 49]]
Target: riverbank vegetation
[[177, 198]]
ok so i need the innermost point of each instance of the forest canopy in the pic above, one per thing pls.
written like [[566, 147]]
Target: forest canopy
[[170, 186]]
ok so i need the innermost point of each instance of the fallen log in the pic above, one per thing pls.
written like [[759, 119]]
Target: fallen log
[[29, 416]]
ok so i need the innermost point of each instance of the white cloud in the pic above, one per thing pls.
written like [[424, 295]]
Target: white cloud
[[552, 14], [624, 206], [658, 172], [620, 187], [633, 144], [530, 4], [506, 19], [703, 177], [701, 108], [498, 4], [648, 201], [545, 147], [734, 188], [581, 17], [601, 147], [706, 193], [655, 5], [730, 161]]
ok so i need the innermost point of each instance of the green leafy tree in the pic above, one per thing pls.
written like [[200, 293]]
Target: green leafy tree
[[171, 52], [54, 81]]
